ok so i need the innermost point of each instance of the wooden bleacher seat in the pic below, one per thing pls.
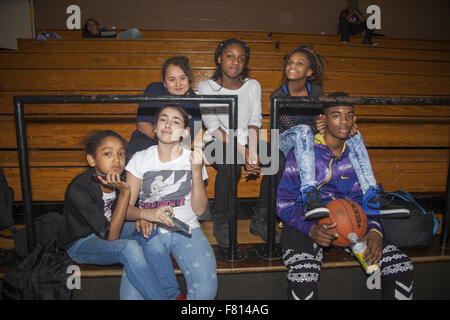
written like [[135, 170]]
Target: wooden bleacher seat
[[409, 145], [268, 35], [178, 34]]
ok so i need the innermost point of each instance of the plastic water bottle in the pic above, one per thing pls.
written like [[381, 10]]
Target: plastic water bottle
[[358, 247]]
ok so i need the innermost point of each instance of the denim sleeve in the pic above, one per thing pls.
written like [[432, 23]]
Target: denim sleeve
[[89, 212], [289, 198], [146, 110]]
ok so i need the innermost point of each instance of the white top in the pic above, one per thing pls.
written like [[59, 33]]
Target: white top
[[165, 183], [215, 116], [108, 199]]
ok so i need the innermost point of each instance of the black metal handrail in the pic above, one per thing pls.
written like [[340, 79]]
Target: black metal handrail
[[231, 254], [271, 251]]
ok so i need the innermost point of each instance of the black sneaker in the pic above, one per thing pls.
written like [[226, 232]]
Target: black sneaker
[[313, 206], [370, 43], [376, 205]]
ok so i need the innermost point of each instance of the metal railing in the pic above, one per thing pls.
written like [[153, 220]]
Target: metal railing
[[232, 253], [271, 250]]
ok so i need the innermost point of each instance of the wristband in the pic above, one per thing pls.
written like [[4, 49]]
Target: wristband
[[381, 235]]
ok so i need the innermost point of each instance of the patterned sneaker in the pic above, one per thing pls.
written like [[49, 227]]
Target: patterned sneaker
[[313, 205], [376, 205]]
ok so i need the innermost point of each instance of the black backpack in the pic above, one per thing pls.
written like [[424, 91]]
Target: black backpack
[[415, 231], [6, 204], [42, 274]]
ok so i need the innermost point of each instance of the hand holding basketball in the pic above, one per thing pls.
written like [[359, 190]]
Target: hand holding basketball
[[322, 235], [348, 217]]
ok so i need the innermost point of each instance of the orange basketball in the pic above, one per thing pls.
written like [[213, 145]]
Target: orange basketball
[[349, 217]]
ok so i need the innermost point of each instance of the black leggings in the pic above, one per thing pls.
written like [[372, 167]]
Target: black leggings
[[223, 184], [346, 29], [303, 258]]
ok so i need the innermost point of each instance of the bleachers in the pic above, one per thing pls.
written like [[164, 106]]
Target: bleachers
[[111, 66], [409, 145]]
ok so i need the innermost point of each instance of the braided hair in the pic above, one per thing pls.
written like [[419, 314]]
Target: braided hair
[[222, 45], [315, 63]]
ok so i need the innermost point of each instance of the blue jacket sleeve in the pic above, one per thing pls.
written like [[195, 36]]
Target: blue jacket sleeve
[[146, 114], [289, 198]]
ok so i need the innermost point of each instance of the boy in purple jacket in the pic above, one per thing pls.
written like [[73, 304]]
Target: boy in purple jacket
[[302, 241]]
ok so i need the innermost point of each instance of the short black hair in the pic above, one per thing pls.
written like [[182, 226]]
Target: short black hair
[[338, 94]]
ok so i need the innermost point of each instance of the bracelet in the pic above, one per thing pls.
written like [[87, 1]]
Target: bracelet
[[377, 231]]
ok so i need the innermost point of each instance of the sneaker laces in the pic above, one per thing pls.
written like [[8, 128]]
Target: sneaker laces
[[311, 195], [379, 196]]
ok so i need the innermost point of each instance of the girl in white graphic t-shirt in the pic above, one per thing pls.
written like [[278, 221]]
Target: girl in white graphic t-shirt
[[168, 179]]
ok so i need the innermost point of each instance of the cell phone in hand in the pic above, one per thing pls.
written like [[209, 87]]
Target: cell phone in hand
[[180, 225]]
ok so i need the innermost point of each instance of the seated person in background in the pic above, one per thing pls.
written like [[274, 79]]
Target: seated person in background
[[352, 21], [302, 241], [92, 29]]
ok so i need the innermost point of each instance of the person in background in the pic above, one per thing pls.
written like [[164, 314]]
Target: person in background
[[352, 21], [92, 29]]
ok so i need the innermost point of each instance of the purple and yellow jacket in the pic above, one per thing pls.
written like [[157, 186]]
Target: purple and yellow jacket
[[335, 178]]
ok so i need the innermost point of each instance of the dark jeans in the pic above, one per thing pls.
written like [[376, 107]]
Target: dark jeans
[[223, 184], [346, 29]]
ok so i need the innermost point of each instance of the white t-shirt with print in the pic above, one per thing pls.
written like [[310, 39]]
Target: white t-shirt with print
[[165, 183]]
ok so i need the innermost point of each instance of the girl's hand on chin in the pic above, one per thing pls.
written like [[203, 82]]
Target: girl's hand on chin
[[112, 179]]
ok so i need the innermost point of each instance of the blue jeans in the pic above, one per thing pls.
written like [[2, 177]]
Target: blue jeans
[[132, 33], [196, 260], [301, 139], [132, 251]]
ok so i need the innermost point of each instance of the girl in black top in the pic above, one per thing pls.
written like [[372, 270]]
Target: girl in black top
[[93, 230]]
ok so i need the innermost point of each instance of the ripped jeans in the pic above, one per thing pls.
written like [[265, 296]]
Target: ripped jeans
[[301, 139]]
